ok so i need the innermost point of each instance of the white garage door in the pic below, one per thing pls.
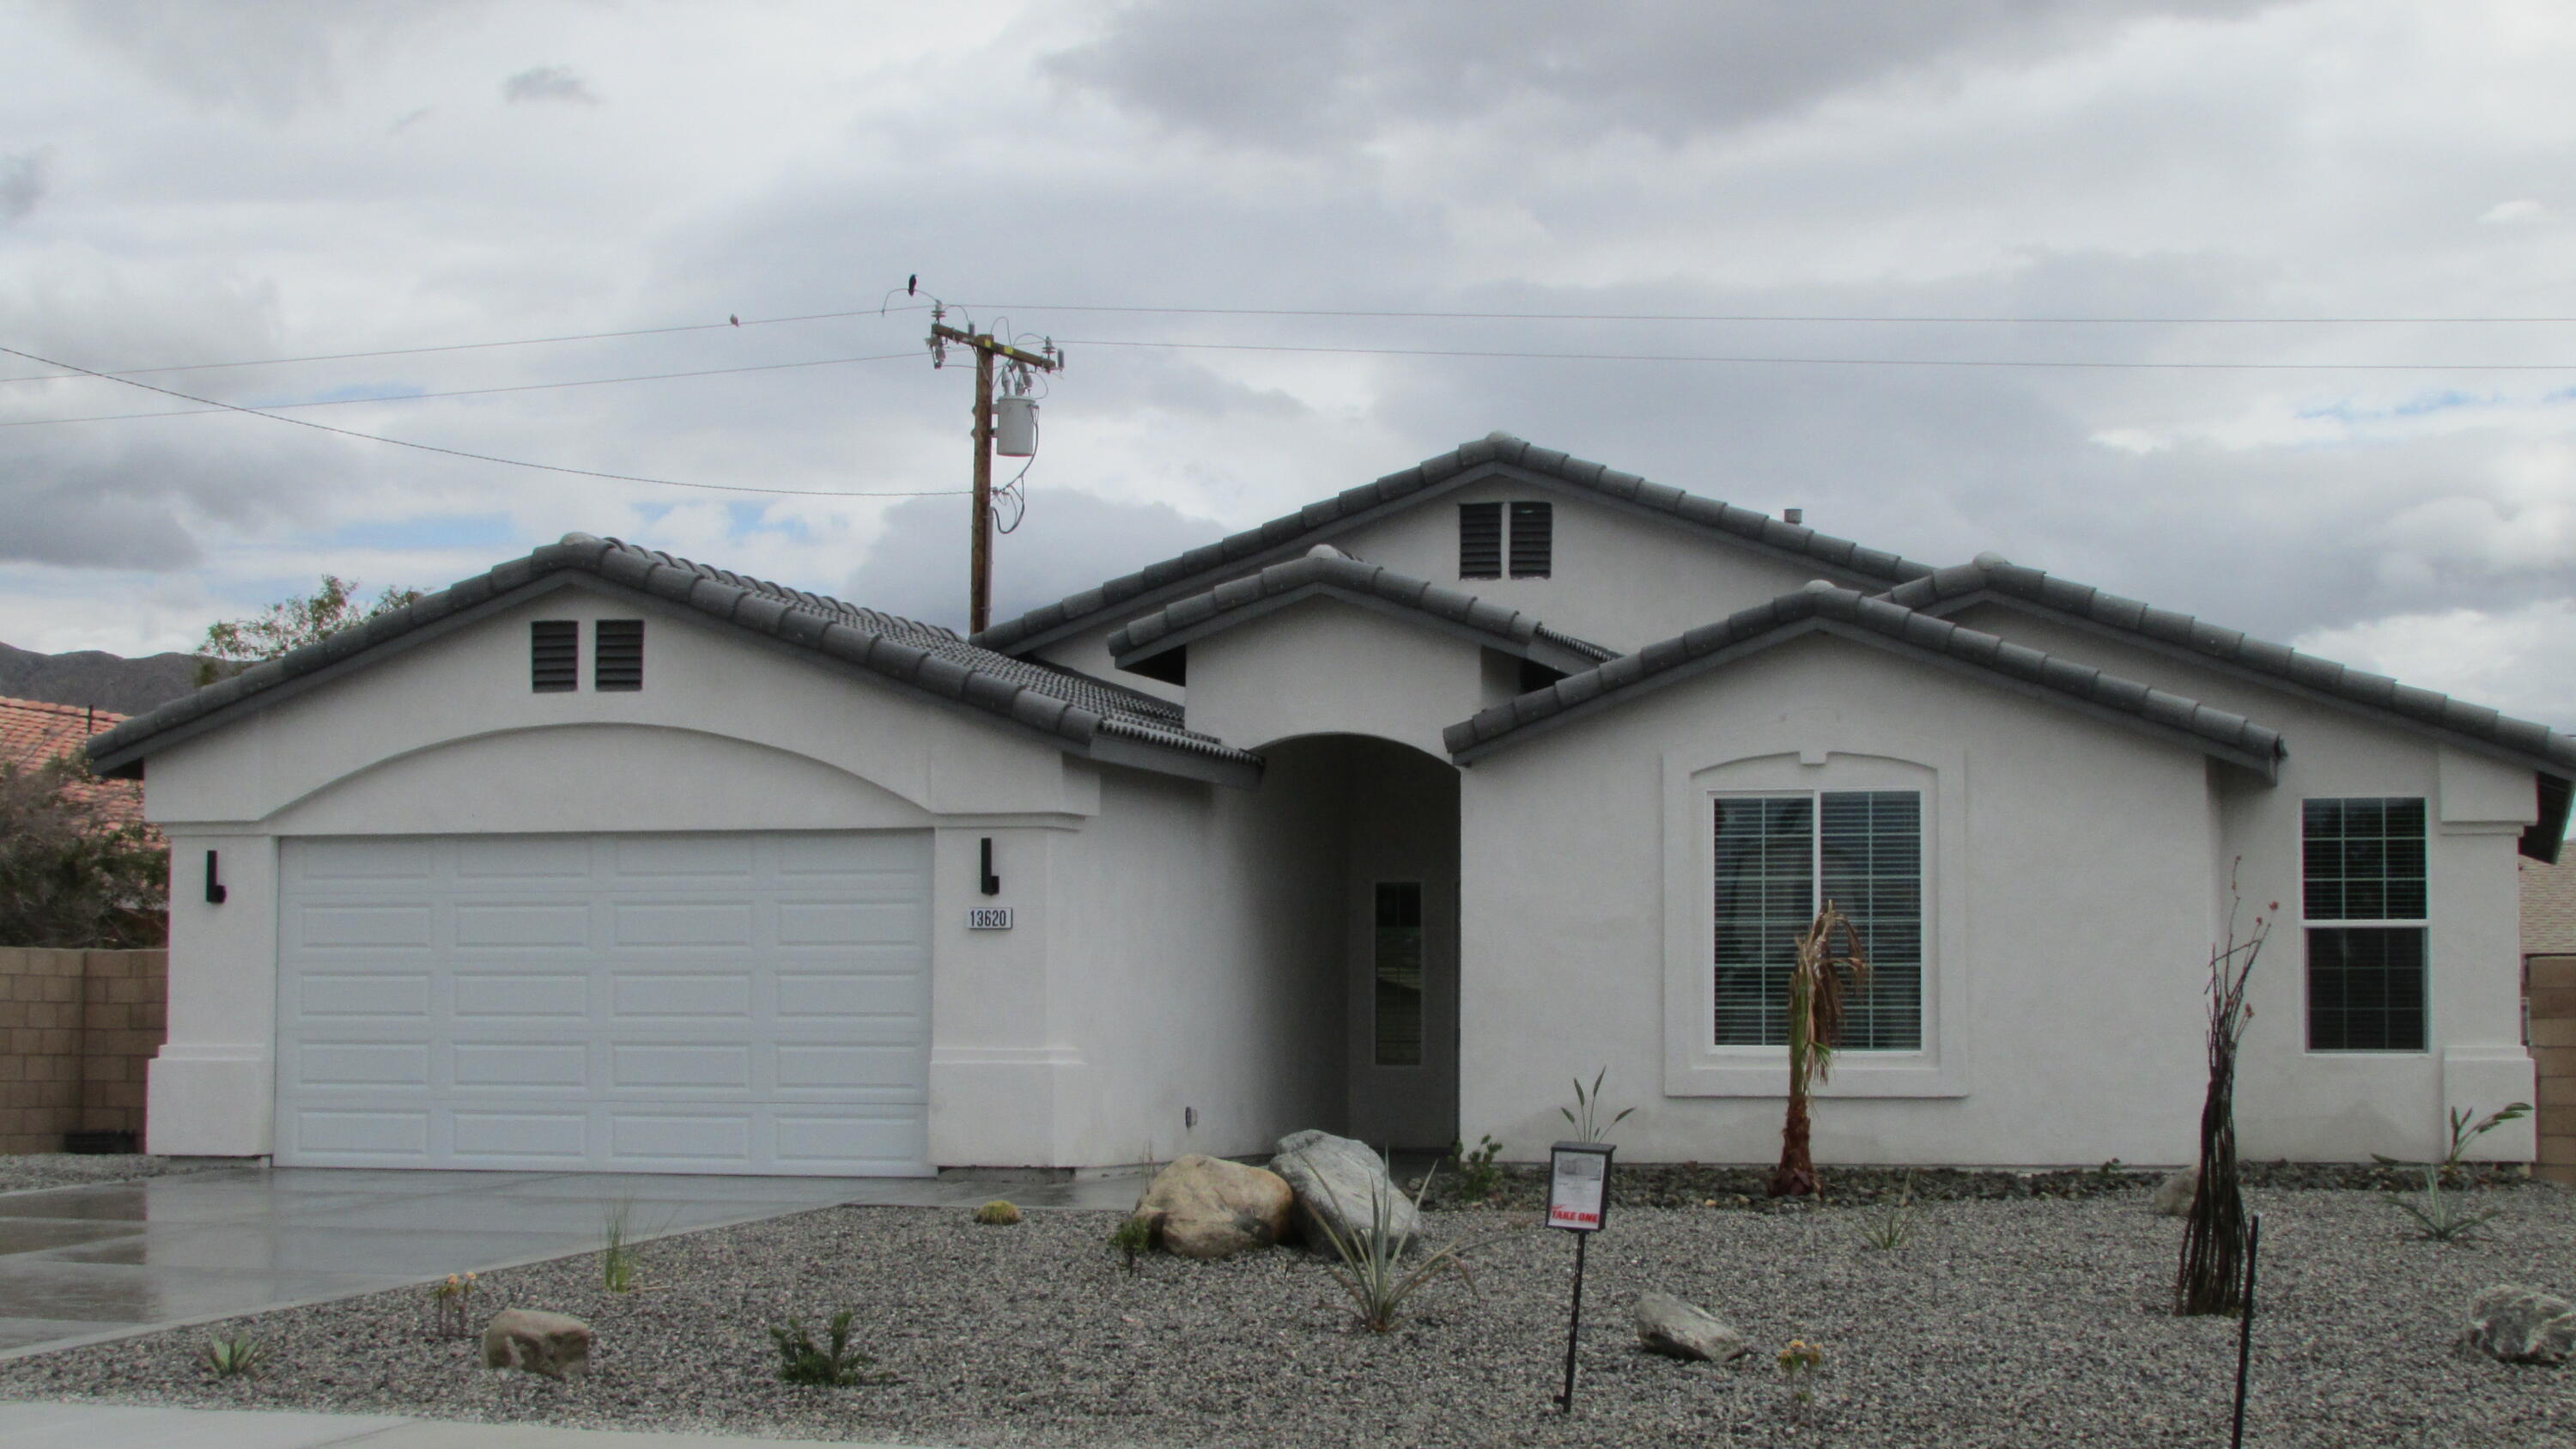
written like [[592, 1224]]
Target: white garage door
[[664, 1003]]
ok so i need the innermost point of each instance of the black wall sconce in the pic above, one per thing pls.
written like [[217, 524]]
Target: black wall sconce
[[215, 891], [992, 884]]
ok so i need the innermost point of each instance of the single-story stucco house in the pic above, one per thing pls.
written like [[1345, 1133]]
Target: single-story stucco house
[[1390, 816]]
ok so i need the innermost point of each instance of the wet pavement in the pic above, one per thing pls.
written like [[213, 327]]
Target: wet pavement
[[85, 1264]]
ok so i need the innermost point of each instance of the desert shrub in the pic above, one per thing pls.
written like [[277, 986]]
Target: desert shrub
[[1132, 1237], [233, 1356], [999, 1213], [802, 1361], [2443, 1215], [1478, 1175]]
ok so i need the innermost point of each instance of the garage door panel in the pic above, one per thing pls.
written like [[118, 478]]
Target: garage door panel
[[519, 1064], [745, 1003], [377, 1134], [529, 1138], [670, 856], [372, 926], [551, 996], [374, 860], [523, 857], [520, 925], [400, 994], [362, 1064], [667, 1137], [665, 996], [648, 924]]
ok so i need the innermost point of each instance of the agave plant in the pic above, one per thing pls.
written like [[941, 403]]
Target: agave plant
[[2443, 1217], [1372, 1269], [1830, 965], [233, 1356]]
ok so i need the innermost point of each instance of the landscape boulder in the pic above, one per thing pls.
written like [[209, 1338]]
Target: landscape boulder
[[2521, 1325], [1207, 1207], [1668, 1326], [2173, 1195], [537, 1343], [1336, 1180]]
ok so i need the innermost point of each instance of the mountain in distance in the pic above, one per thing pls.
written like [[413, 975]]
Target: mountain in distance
[[94, 679]]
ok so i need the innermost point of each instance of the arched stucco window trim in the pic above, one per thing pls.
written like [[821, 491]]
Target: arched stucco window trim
[[1855, 757]]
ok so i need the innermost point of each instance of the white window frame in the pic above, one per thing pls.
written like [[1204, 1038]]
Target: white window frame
[[1694, 1065]]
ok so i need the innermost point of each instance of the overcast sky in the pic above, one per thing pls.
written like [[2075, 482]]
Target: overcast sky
[[186, 183]]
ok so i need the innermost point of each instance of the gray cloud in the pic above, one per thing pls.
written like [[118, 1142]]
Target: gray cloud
[[1669, 68], [548, 83], [269, 60], [22, 184], [1072, 541]]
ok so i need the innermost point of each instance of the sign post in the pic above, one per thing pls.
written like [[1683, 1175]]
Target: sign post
[[1578, 1199]]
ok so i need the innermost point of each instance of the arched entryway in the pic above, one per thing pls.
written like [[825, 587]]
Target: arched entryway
[[1385, 816]]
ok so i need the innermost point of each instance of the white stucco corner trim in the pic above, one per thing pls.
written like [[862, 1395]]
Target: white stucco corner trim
[[1862, 754]]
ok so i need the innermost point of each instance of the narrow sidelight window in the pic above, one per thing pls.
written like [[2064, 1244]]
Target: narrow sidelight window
[[554, 655], [2363, 860], [617, 650], [1779, 858], [1533, 539], [1480, 540], [1398, 971]]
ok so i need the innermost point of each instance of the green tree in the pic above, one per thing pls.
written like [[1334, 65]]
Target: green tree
[[69, 877], [233, 645]]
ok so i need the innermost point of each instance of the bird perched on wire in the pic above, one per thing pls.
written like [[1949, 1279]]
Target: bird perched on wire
[[912, 284], [734, 318]]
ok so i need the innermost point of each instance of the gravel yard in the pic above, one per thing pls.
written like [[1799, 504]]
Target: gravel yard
[[20, 1172], [2016, 1322]]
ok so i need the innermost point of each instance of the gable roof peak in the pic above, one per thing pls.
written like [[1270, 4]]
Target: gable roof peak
[[1499, 454]]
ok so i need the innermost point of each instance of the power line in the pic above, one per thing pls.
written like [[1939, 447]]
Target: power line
[[337, 402], [477, 457], [1770, 361], [724, 326], [1771, 317], [1870, 319]]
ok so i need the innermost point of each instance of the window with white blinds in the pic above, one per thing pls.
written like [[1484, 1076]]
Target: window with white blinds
[[1779, 858]]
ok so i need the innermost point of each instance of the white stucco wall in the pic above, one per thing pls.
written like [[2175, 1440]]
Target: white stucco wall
[[2344, 1106], [2068, 879], [1323, 666]]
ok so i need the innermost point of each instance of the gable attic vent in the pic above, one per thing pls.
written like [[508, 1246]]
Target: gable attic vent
[[618, 655], [554, 655], [1480, 540], [1533, 539]]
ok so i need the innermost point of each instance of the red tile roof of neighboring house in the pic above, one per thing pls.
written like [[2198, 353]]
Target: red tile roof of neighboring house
[[34, 733]]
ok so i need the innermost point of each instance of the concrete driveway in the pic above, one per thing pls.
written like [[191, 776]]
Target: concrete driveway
[[85, 1264]]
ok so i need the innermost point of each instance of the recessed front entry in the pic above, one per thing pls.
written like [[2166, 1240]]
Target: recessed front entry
[[753, 1003]]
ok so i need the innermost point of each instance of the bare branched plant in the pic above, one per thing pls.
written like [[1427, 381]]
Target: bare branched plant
[[1830, 965], [2212, 1277]]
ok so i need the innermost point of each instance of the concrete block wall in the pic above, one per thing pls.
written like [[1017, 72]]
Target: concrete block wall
[[2553, 1052], [77, 1032]]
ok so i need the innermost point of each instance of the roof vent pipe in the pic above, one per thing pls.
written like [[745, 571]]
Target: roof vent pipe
[[1793, 515]]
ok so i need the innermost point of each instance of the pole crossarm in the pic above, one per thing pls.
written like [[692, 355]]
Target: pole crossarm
[[985, 342]]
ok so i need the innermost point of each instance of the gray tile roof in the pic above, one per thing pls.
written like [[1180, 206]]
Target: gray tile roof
[[1288, 535], [1074, 708], [1821, 605], [1993, 576], [1326, 569]]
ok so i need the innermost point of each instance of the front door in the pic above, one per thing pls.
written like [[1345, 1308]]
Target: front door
[[1404, 986]]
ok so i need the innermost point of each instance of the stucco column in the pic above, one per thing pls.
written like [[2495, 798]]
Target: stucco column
[[212, 1088]]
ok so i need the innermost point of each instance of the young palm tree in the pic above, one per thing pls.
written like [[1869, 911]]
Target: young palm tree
[[1830, 964]]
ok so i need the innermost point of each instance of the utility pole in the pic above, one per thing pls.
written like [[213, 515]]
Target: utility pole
[[980, 552]]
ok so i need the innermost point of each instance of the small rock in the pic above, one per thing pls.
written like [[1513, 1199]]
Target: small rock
[[537, 1343], [1337, 1181], [2173, 1195], [1207, 1207], [1668, 1326], [2521, 1325]]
